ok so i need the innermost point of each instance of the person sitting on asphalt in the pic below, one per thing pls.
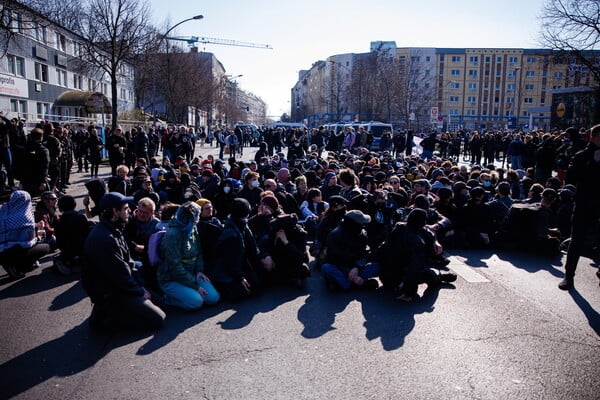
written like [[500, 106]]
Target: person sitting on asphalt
[[233, 272], [285, 242], [107, 273], [346, 263], [20, 249], [46, 213], [71, 231], [181, 273], [137, 232], [406, 258]]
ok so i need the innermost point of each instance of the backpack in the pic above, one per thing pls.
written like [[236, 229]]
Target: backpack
[[154, 256]]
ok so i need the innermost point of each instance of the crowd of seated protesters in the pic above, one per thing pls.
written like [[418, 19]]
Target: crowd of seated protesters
[[247, 226]]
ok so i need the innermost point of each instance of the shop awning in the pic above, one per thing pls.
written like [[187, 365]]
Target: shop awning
[[93, 102]]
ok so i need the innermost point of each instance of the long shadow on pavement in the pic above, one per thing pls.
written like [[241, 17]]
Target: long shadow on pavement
[[178, 321], [68, 355], [592, 315], [385, 317]]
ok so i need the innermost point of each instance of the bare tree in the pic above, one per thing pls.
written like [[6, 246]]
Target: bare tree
[[59, 11], [115, 33], [573, 29]]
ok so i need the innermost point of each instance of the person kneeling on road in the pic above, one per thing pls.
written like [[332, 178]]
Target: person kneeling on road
[[180, 274], [106, 273]]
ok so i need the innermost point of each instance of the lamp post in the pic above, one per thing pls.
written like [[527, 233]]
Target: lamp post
[[160, 40], [516, 110]]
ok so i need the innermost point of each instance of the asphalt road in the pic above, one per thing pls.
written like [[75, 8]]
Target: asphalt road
[[503, 330]]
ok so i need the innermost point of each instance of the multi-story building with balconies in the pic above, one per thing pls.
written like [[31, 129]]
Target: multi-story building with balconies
[[438, 88]]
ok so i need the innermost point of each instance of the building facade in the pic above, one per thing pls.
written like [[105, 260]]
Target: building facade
[[437, 88], [39, 79]]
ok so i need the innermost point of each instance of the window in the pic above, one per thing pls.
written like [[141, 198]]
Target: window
[[39, 32], [470, 113], [428, 58], [473, 73], [510, 100], [455, 59], [530, 74], [43, 110], [454, 85], [510, 87], [11, 20], [41, 72], [472, 86], [454, 99], [455, 72], [488, 59], [558, 75], [76, 49], [105, 89], [528, 100], [427, 72], [529, 86], [513, 60], [531, 60], [474, 59], [77, 81], [61, 42], [16, 65], [472, 99], [441, 58], [18, 107], [61, 77], [498, 59], [123, 94]]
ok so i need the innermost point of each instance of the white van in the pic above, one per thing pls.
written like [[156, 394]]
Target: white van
[[375, 130]]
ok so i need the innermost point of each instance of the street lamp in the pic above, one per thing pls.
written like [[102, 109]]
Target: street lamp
[[516, 110], [160, 40]]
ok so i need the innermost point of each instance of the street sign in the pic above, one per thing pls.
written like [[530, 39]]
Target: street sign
[[434, 115]]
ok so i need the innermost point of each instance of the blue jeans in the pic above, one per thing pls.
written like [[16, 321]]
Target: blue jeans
[[181, 296], [332, 273]]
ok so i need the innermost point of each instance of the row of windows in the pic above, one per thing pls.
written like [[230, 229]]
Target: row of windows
[[509, 100], [473, 73], [488, 59], [16, 66], [19, 107]]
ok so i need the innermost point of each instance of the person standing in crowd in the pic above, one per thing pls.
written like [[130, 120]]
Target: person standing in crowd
[[6, 128], [19, 246], [34, 176], [107, 272], [584, 173], [94, 151], [116, 144]]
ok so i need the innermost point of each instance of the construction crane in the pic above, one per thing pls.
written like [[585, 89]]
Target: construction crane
[[192, 40]]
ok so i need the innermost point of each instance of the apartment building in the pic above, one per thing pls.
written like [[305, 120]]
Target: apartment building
[[443, 88], [38, 78]]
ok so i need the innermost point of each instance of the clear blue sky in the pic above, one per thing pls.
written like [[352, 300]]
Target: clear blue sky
[[302, 32]]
